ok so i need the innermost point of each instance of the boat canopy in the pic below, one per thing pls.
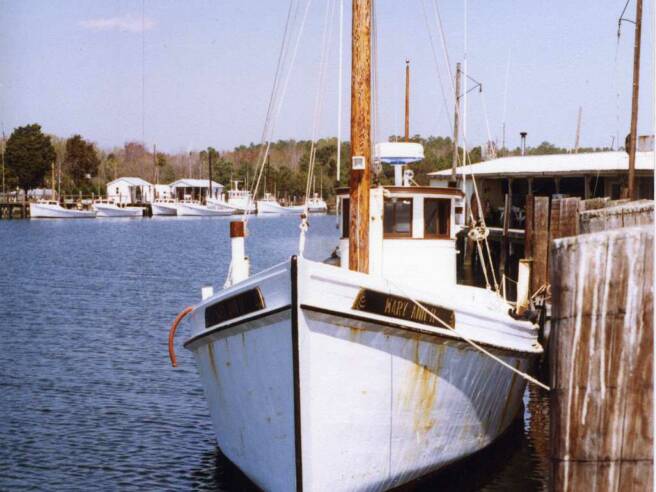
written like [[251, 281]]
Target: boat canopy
[[399, 153]]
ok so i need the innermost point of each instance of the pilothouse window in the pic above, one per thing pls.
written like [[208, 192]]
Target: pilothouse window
[[397, 219], [436, 217]]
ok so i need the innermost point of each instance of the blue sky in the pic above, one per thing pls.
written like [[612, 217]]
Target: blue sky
[[77, 67]]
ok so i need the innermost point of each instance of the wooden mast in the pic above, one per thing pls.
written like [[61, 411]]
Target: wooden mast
[[633, 136], [360, 136], [407, 100]]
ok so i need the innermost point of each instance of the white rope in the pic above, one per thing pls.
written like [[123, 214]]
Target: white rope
[[340, 68], [478, 347]]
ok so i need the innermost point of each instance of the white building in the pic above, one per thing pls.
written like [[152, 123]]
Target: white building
[[163, 192], [130, 190], [195, 189]]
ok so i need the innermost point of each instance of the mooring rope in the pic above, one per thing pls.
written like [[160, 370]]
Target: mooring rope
[[478, 347]]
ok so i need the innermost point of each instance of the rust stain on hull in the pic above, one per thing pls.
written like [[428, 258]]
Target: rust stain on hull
[[210, 355]]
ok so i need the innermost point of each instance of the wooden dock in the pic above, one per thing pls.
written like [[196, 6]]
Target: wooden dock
[[601, 346], [11, 210]]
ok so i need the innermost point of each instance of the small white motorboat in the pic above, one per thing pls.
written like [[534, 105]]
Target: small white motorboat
[[164, 207], [269, 205], [109, 208], [48, 209]]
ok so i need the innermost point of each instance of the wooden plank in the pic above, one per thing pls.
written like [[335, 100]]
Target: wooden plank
[[568, 224], [554, 223]]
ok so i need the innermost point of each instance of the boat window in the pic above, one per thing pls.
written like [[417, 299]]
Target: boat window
[[397, 219], [437, 213], [346, 213]]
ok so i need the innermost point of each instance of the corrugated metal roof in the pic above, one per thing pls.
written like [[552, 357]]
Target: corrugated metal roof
[[193, 183], [551, 164], [131, 181]]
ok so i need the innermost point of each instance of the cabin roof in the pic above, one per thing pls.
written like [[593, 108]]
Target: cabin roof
[[131, 181], [419, 190], [555, 164], [194, 183]]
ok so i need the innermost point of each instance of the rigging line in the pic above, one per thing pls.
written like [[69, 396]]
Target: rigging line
[[505, 99], [276, 78], [376, 168], [437, 68], [278, 105], [325, 50], [143, 74], [478, 347], [487, 121], [339, 88]]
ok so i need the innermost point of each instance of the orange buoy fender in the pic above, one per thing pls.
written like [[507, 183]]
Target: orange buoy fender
[[174, 327]]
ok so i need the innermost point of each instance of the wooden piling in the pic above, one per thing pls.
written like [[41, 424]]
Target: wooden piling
[[503, 259], [601, 360], [528, 227], [540, 242]]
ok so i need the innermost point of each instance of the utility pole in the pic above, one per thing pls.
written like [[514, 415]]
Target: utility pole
[[456, 124], [407, 100], [578, 131], [360, 136], [4, 144], [633, 136]]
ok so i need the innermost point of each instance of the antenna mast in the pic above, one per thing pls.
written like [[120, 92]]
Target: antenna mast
[[407, 100], [578, 131]]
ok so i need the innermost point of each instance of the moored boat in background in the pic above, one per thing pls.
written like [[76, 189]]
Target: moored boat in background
[[109, 208], [49, 209]]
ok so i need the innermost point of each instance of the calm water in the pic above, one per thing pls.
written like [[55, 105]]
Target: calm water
[[89, 399]]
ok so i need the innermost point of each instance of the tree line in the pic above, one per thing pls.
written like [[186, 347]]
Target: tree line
[[80, 166]]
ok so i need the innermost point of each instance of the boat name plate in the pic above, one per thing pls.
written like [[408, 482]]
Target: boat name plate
[[236, 306], [374, 302]]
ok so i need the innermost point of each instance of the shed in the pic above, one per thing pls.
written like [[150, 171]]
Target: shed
[[584, 175], [195, 189], [129, 190]]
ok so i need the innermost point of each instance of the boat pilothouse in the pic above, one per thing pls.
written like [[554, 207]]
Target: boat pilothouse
[[412, 231]]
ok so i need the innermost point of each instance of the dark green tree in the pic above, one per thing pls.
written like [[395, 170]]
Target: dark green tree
[[28, 156], [81, 160]]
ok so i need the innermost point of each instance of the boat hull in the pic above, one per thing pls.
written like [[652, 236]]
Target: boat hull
[[51, 211], [309, 394], [270, 207], [197, 210], [166, 209], [105, 210]]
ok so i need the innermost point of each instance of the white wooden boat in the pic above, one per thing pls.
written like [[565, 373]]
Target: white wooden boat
[[195, 209], [108, 208], [369, 373], [321, 378], [238, 202], [46, 209], [316, 204], [269, 205], [164, 207]]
